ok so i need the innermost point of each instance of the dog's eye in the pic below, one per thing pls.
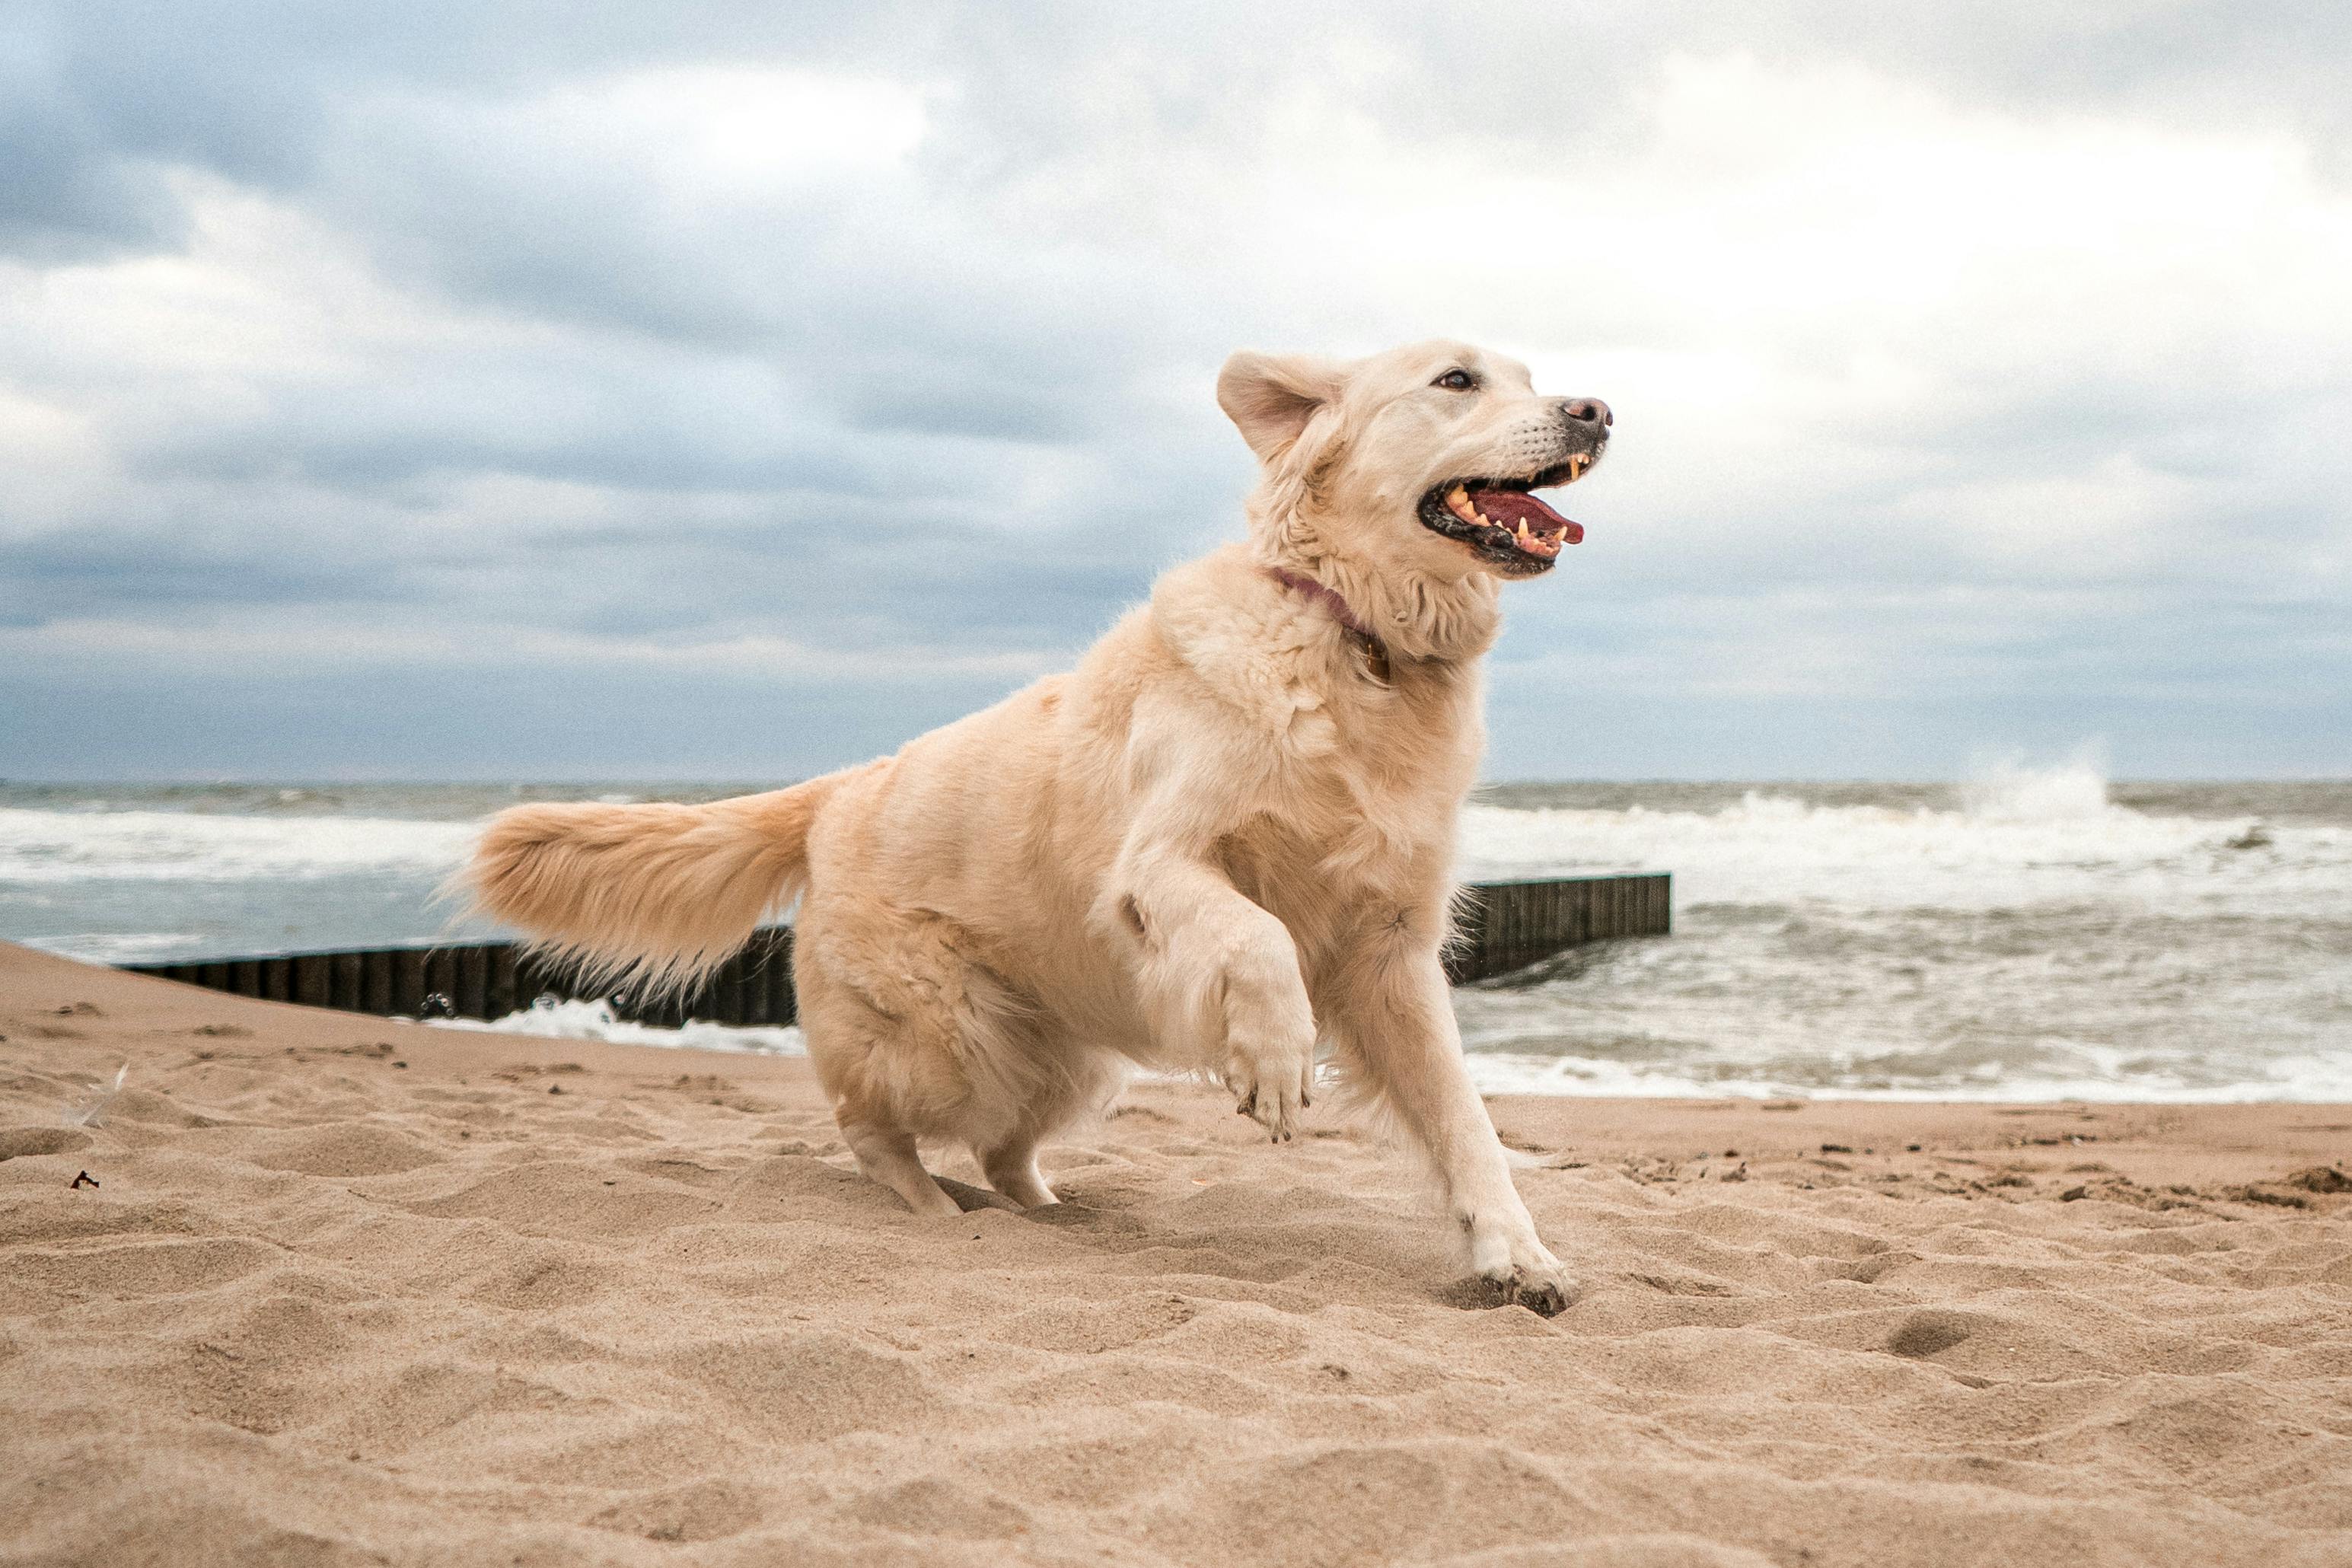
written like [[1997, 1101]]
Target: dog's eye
[[1456, 381]]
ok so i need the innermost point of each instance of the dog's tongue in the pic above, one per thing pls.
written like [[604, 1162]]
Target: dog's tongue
[[1510, 508]]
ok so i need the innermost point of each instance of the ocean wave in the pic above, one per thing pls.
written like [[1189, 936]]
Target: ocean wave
[[118, 947], [52, 847], [2018, 839], [2028, 935]]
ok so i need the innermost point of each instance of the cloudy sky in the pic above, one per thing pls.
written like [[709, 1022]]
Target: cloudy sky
[[480, 390]]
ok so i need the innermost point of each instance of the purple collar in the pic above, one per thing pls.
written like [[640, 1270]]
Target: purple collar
[[1376, 652], [1329, 597]]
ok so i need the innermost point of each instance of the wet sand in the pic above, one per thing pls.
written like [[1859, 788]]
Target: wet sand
[[355, 1292]]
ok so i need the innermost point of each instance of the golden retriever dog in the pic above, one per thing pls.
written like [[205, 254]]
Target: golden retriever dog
[[1223, 841]]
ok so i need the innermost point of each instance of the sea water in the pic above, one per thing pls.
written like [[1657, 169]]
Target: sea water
[[2022, 936]]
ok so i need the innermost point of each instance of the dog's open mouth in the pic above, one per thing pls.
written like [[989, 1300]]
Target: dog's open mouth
[[1502, 520]]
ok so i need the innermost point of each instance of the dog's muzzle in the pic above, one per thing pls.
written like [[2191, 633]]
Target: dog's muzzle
[[1499, 517]]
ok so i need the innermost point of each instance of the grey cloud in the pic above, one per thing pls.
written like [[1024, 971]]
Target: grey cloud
[[965, 404], [71, 193], [99, 574]]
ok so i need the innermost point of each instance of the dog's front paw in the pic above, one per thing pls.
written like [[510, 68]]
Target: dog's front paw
[[1526, 1274], [1272, 1085]]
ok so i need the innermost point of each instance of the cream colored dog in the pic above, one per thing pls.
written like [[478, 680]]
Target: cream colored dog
[[1226, 837]]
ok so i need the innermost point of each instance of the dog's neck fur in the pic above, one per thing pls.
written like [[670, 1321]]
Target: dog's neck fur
[[1414, 614]]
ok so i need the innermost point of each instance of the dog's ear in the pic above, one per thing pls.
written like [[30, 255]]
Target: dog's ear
[[1270, 398]]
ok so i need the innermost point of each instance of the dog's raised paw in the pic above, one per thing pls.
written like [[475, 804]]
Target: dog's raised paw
[[1272, 1086]]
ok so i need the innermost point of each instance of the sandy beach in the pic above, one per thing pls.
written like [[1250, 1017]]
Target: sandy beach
[[354, 1291]]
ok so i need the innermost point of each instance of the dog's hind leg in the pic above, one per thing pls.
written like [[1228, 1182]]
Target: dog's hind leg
[[1060, 1082], [850, 1046], [1012, 1168], [911, 1038], [887, 1156]]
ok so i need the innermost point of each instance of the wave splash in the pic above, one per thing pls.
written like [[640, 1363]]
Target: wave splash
[[2008, 791]]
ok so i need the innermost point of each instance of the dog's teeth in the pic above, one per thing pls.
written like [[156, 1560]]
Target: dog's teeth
[[1457, 496]]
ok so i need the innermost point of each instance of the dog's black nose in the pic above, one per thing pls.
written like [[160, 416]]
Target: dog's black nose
[[1588, 411]]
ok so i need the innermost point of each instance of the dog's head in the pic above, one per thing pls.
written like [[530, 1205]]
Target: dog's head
[[1424, 457]]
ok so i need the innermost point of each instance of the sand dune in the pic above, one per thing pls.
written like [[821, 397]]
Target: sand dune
[[350, 1291]]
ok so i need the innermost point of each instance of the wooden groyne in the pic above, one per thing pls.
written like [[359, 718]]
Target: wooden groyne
[[1504, 926]]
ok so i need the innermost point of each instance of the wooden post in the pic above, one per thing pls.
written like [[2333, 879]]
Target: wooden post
[[471, 996], [499, 998], [375, 981], [530, 980], [407, 983], [757, 1002], [344, 971]]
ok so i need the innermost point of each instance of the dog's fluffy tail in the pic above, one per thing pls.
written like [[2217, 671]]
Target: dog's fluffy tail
[[651, 897]]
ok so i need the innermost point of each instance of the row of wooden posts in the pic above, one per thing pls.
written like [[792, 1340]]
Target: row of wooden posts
[[1502, 926]]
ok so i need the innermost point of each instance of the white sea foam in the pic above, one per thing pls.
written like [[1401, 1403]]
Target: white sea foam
[[594, 1021], [2304, 1080], [53, 846], [2019, 840], [117, 947]]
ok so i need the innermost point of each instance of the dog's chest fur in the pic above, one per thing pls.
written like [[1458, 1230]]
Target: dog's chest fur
[[1364, 768]]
